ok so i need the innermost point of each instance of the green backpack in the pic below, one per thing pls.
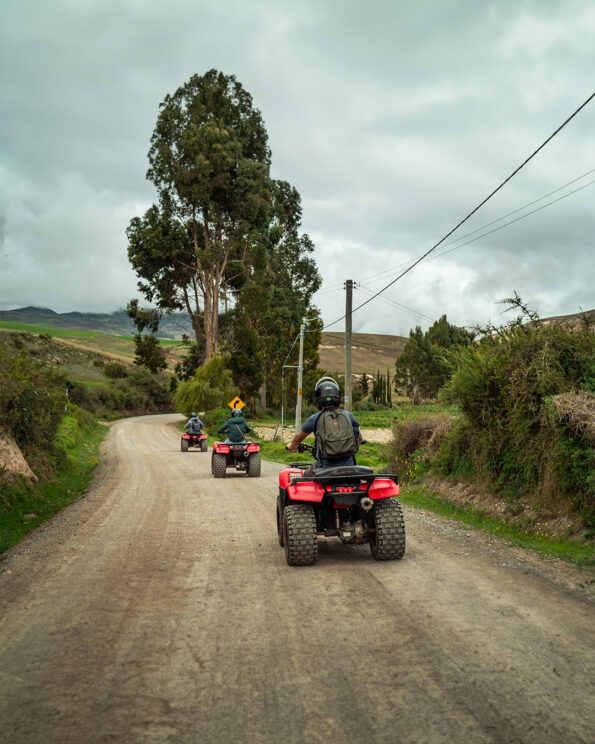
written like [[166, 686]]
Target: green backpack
[[335, 438]]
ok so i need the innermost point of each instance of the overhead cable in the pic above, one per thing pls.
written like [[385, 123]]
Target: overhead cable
[[376, 277], [473, 211]]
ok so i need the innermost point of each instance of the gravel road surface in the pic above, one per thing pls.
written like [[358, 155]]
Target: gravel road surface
[[160, 609]]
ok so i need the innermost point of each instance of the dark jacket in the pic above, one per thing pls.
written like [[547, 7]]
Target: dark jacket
[[194, 425], [237, 427]]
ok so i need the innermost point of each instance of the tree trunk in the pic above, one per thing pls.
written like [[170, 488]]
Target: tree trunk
[[208, 324]]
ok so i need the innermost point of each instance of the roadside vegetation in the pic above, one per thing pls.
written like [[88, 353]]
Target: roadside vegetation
[[24, 505], [518, 443], [50, 398]]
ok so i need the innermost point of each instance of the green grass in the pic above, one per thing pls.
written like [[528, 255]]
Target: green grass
[[58, 332], [567, 550], [24, 506], [381, 419], [10, 325]]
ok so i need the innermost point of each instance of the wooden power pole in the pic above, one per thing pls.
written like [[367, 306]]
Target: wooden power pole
[[348, 294]]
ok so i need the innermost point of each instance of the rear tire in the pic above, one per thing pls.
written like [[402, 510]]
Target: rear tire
[[254, 465], [204, 445], [218, 465], [388, 542], [300, 535], [184, 445], [280, 533]]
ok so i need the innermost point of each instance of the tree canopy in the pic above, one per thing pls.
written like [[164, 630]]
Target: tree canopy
[[423, 367], [224, 242], [210, 387], [209, 160], [277, 293]]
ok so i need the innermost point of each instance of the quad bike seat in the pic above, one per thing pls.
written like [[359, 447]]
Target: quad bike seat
[[342, 470]]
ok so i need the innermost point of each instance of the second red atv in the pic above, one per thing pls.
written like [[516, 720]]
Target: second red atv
[[195, 440], [243, 456], [349, 502]]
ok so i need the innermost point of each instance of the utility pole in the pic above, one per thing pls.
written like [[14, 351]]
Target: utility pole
[[348, 293], [300, 369]]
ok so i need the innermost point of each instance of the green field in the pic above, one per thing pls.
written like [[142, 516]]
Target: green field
[[9, 325], [118, 347]]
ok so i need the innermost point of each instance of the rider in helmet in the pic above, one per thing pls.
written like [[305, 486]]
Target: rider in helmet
[[327, 397], [194, 424], [236, 427]]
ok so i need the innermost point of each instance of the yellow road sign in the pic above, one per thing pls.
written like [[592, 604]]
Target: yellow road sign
[[237, 402]]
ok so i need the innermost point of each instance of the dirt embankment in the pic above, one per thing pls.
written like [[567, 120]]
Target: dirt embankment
[[12, 463]]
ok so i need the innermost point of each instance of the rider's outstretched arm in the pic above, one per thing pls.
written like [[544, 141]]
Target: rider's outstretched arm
[[299, 437]]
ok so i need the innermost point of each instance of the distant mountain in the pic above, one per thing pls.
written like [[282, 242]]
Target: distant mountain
[[116, 323]]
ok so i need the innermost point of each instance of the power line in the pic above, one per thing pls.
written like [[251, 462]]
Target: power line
[[386, 272], [529, 204], [473, 211], [506, 224], [394, 303]]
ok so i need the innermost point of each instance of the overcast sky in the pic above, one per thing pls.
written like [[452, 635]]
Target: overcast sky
[[393, 120]]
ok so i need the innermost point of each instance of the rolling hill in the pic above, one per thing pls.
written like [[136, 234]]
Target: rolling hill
[[110, 334]]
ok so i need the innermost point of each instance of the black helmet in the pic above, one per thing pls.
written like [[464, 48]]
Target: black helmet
[[327, 393], [236, 412]]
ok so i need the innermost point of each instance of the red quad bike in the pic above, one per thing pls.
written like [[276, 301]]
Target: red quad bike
[[348, 502], [243, 456], [195, 440]]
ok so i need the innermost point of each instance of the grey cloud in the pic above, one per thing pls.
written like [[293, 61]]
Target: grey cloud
[[392, 119]]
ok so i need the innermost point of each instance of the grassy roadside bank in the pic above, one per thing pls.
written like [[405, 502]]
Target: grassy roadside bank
[[24, 506], [568, 550]]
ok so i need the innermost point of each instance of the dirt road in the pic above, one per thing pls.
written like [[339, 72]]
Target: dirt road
[[160, 609]]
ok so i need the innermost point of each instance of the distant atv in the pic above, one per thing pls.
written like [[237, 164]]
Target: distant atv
[[243, 456], [195, 439], [349, 502]]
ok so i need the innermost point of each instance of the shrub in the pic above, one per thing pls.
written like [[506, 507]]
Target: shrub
[[32, 396], [115, 370], [80, 395], [415, 442], [139, 393], [215, 418], [368, 405], [514, 432], [210, 387], [32, 403]]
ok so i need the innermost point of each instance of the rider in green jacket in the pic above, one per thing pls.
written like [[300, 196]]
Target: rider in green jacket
[[236, 427]]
